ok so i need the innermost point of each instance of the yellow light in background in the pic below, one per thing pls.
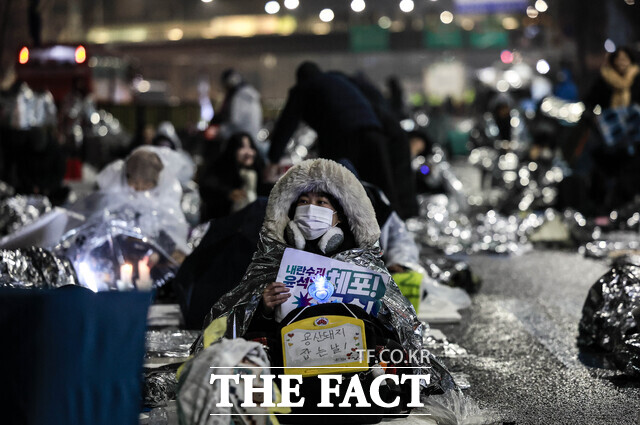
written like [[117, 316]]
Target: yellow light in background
[[23, 57], [510, 23], [175, 34], [81, 54], [446, 17], [321, 28], [467, 24]]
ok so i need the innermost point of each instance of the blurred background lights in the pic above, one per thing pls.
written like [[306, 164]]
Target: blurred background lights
[[24, 55], [357, 5], [326, 15], [175, 34], [406, 5], [510, 23], [609, 45], [542, 66], [272, 7], [384, 22], [446, 17], [532, 12], [467, 24], [541, 6], [206, 1], [291, 4], [506, 56]]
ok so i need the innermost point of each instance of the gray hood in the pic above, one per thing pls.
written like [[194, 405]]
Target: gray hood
[[322, 175]]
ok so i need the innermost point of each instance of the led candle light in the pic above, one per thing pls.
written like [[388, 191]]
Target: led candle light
[[144, 274]]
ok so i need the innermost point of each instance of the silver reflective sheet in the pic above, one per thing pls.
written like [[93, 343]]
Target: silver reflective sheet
[[240, 304], [34, 268], [611, 316], [169, 343], [159, 387], [98, 248], [20, 210]]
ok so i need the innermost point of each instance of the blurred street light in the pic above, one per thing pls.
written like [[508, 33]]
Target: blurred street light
[[541, 6], [272, 7], [446, 17], [291, 4], [326, 15], [358, 5], [406, 6]]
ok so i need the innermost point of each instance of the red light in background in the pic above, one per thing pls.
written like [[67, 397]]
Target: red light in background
[[81, 54], [24, 55], [506, 56]]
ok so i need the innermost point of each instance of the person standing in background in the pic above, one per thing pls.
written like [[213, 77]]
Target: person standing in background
[[344, 120], [241, 109]]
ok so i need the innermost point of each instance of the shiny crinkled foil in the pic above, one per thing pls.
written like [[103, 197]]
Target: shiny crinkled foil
[[240, 304], [100, 247], [20, 210], [611, 316], [444, 227], [160, 386], [34, 268], [6, 190], [197, 234], [169, 343]]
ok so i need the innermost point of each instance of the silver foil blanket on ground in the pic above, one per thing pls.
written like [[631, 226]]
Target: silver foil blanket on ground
[[34, 268], [444, 227], [21, 210], [611, 316], [169, 343], [100, 247], [240, 304], [160, 385]]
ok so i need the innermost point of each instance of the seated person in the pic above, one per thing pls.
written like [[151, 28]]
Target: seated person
[[145, 183], [318, 206]]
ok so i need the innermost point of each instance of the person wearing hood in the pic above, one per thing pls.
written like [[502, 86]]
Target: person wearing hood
[[241, 109], [344, 120], [183, 165], [317, 206], [146, 182]]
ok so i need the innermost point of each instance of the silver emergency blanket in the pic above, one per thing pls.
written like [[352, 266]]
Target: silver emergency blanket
[[5, 190], [611, 316], [169, 343], [160, 385], [197, 233], [20, 210], [444, 227], [99, 248], [34, 268], [240, 304], [197, 397], [158, 210]]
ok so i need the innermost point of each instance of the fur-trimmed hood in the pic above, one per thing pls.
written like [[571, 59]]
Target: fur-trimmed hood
[[322, 175]]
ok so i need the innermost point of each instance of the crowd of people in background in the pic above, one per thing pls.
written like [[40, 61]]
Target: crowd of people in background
[[354, 122]]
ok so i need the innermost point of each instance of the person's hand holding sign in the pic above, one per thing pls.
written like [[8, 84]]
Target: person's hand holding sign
[[274, 294]]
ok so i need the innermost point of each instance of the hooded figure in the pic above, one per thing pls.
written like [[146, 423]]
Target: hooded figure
[[145, 182], [277, 234]]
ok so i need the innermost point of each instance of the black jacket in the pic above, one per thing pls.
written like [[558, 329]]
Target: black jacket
[[329, 104]]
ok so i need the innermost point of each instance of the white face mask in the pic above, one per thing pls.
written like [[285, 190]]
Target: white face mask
[[313, 221]]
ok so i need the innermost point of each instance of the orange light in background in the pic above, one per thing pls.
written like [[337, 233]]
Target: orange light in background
[[81, 54], [24, 55]]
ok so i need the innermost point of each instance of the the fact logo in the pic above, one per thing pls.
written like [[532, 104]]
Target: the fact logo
[[354, 396]]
